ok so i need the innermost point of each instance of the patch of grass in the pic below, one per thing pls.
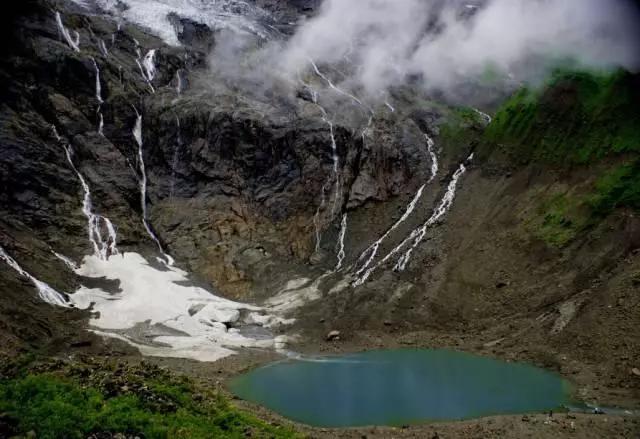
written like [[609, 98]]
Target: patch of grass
[[562, 218], [60, 407], [618, 187]]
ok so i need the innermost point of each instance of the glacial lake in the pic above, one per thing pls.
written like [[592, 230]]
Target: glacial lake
[[398, 387]]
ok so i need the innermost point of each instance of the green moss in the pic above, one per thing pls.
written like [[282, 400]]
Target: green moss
[[619, 187], [56, 407], [561, 218], [577, 118]]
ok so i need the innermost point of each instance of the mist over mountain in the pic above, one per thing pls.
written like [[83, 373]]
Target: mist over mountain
[[448, 42]]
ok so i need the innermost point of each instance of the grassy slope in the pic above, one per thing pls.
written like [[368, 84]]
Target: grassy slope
[[578, 120], [75, 401]]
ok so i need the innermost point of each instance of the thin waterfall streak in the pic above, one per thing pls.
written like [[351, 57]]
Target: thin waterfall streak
[[137, 134], [370, 253], [443, 208], [101, 248], [316, 219], [338, 89], [103, 48], [45, 292], [334, 155], [178, 82], [149, 65], [146, 65], [67, 261], [73, 43], [100, 124], [418, 235], [341, 248], [98, 93]]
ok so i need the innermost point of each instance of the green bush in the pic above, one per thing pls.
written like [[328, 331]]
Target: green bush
[[55, 407]]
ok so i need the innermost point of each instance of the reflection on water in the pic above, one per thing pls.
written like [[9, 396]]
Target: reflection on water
[[399, 387]]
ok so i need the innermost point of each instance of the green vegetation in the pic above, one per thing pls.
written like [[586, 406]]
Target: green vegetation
[[619, 187], [579, 117], [562, 218], [144, 401]]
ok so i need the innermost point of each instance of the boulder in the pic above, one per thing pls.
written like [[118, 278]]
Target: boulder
[[333, 336]]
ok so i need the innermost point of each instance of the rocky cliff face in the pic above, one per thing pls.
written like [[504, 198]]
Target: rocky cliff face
[[234, 180]]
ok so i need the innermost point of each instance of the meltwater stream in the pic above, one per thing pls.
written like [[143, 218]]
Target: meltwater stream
[[399, 387], [72, 42], [45, 292], [95, 223], [98, 97], [368, 256], [137, 134]]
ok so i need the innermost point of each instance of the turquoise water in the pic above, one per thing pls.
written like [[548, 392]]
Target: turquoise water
[[398, 387]]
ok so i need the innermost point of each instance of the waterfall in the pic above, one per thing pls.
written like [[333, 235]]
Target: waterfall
[[98, 85], [334, 150], [418, 234], [149, 70], [337, 89], [67, 261], [98, 97], [370, 253], [100, 124], [137, 134], [316, 219], [178, 82], [74, 43], [45, 292], [103, 48], [101, 248], [336, 163], [445, 204], [341, 236], [149, 65]]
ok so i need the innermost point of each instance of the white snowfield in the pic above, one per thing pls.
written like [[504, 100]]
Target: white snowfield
[[165, 296]]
